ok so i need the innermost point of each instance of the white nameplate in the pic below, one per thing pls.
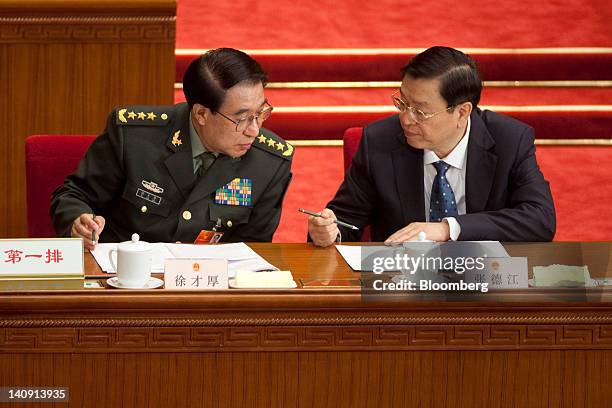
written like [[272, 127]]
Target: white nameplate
[[41, 257], [502, 273], [195, 274]]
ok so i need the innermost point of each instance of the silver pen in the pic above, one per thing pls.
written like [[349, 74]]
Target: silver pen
[[344, 224]]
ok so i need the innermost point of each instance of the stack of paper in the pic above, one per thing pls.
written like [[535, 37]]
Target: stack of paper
[[238, 255], [562, 276], [351, 255], [486, 249]]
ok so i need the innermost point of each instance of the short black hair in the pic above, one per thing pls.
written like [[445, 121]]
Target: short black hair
[[209, 76], [458, 74]]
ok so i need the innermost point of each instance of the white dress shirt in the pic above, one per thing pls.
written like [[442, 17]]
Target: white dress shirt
[[455, 175]]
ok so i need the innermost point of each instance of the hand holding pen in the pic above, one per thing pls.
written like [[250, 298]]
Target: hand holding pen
[[344, 224], [323, 227], [88, 227]]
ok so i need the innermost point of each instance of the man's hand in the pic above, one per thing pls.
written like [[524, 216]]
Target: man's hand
[[323, 230], [84, 225], [435, 231]]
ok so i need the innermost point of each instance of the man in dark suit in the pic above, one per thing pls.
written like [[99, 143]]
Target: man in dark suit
[[442, 166], [169, 172]]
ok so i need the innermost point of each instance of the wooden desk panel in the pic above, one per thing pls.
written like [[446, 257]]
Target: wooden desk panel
[[310, 348], [64, 65]]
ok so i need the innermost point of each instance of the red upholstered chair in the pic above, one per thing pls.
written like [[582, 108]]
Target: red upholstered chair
[[49, 159], [352, 137]]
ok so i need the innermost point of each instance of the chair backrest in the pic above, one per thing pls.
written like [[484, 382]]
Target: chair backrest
[[49, 159], [351, 139]]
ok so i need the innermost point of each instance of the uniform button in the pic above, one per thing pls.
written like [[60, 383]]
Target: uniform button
[[229, 223], [186, 215], [164, 116], [143, 208]]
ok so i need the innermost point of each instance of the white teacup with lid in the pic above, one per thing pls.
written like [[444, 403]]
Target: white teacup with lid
[[134, 259]]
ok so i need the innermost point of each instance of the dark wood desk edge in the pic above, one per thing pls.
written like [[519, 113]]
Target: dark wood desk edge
[[88, 300]]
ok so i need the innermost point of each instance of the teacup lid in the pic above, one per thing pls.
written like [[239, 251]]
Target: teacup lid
[[135, 245]]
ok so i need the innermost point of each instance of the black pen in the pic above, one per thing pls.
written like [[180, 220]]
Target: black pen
[[93, 232], [344, 224]]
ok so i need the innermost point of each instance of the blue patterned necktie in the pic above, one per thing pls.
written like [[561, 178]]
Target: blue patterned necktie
[[442, 203]]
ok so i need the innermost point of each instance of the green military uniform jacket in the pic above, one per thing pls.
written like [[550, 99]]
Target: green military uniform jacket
[[139, 175]]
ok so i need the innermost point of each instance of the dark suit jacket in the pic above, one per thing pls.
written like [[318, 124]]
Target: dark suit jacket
[[112, 181], [507, 197]]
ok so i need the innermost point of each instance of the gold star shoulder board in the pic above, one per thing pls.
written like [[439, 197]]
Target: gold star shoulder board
[[143, 115], [273, 144]]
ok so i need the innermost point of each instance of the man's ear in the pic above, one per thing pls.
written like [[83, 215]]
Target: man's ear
[[201, 114], [465, 110]]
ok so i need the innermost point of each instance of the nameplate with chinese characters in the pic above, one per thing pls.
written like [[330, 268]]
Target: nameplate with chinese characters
[[500, 273], [33, 258], [195, 274]]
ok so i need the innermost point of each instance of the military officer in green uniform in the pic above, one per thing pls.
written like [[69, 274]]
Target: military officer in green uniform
[[170, 172]]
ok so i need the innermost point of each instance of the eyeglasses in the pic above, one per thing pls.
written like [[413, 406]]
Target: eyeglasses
[[243, 124], [416, 115]]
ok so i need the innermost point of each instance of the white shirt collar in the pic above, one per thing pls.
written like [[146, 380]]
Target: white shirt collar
[[457, 157]]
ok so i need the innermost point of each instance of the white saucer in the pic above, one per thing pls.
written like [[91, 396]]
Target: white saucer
[[151, 284], [232, 284]]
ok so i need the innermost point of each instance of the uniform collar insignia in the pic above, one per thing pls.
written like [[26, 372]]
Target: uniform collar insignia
[[176, 138], [152, 186]]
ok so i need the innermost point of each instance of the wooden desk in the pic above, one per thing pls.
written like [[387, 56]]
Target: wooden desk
[[316, 348]]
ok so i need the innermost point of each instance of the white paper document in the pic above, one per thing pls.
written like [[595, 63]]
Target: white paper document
[[232, 252], [239, 256], [486, 249], [562, 276], [352, 255]]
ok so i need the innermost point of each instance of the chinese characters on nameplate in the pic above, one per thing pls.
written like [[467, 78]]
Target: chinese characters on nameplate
[[501, 273], [196, 274], [41, 256]]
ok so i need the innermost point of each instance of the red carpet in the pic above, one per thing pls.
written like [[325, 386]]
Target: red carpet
[[317, 173], [298, 49], [371, 41], [576, 173], [393, 24], [385, 65], [344, 108], [514, 96], [579, 177]]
